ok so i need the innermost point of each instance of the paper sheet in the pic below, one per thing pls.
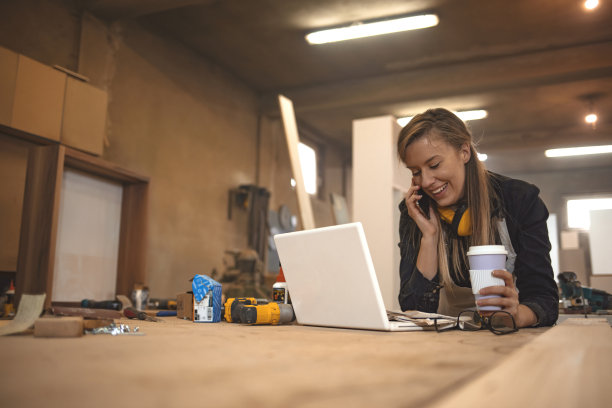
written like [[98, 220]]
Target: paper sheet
[[422, 319], [30, 309]]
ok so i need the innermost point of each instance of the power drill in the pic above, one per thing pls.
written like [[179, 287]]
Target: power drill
[[272, 313], [257, 311], [233, 305], [578, 298]]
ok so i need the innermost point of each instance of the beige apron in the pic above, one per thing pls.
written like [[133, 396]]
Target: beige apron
[[452, 302]]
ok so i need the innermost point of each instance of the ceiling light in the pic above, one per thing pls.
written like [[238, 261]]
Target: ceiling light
[[578, 151], [482, 156], [591, 4], [464, 116], [472, 115], [360, 30], [590, 118]]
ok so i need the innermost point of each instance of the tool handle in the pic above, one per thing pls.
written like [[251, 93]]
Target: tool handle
[[166, 313], [132, 313], [106, 304]]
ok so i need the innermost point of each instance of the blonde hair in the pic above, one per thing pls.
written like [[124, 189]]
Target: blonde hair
[[479, 193]]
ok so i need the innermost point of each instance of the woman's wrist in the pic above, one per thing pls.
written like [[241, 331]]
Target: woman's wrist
[[427, 260], [430, 240], [525, 317]]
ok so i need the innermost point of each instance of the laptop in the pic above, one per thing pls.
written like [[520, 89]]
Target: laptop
[[331, 279]]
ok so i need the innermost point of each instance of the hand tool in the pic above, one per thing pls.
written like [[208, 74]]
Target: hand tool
[[165, 304], [166, 313], [105, 304], [132, 313], [233, 305], [272, 313]]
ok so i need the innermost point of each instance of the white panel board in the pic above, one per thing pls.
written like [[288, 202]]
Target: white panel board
[[553, 236], [87, 238], [378, 182], [599, 241]]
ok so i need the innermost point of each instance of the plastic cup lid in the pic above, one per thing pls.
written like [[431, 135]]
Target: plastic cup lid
[[487, 250]]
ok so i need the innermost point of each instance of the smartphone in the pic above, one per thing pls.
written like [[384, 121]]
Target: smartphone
[[424, 203]]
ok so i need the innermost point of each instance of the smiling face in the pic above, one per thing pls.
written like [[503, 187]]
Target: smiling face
[[438, 168]]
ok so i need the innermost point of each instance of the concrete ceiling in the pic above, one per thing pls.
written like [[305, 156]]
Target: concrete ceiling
[[535, 66]]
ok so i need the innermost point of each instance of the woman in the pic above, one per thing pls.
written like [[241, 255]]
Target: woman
[[454, 203]]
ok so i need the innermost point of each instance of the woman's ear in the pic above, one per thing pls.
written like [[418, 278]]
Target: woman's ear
[[465, 152]]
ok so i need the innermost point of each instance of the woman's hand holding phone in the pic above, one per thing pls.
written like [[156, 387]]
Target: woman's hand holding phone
[[425, 221]]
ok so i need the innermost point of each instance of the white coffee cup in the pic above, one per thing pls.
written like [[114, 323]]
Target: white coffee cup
[[484, 259], [483, 278]]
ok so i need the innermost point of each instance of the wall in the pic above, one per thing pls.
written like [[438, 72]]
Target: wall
[[45, 30], [179, 119], [554, 187]]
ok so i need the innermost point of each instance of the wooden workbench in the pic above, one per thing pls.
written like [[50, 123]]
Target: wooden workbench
[[182, 364]]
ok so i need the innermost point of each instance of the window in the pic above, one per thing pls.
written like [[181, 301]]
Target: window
[[578, 210], [308, 161]]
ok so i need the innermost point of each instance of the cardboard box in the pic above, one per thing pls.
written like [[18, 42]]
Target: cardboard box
[[39, 99], [206, 310], [184, 306], [206, 299], [8, 80], [84, 120]]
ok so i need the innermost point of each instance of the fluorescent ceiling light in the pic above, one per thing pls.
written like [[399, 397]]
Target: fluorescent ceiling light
[[361, 30], [472, 115], [590, 118], [464, 116], [578, 151], [482, 156]]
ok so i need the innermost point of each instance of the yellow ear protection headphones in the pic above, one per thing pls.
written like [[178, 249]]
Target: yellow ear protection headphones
[[459, 220]]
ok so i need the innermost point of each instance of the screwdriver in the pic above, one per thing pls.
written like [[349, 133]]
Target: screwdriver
[[132, 313]]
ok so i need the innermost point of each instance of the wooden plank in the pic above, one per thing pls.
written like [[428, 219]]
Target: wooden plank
[[568, 366], [291, 134], [70, 326], [85, 312], [13, 166], [25, 136], [39, 221], [88, 163], [131, 264]]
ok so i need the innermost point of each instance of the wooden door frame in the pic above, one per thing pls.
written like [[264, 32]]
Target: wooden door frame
[[37, 243]]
